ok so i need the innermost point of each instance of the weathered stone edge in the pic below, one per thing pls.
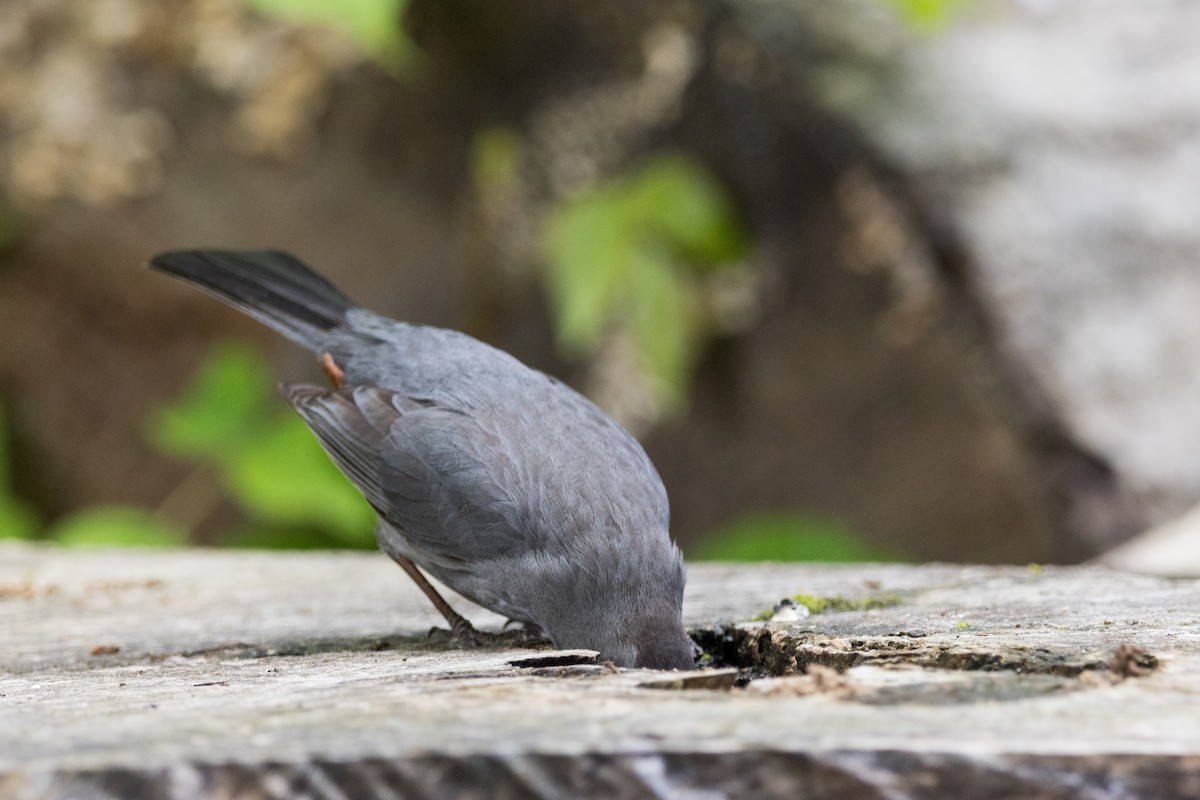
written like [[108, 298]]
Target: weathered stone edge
[[860, 774]]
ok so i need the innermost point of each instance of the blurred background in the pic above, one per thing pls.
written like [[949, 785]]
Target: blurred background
[[875, 279]]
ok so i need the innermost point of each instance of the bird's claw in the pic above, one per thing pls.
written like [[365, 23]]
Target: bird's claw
[[525, 633], [466, 635]]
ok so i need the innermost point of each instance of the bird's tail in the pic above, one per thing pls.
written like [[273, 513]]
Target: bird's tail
[[273, 287]]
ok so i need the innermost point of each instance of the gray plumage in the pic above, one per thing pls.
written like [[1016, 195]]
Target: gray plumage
[[503, 483]]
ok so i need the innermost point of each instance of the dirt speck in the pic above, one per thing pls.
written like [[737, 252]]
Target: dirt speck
[[26, 590], [1131, 661], [125, 585]]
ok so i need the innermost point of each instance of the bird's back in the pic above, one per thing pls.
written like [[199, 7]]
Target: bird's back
[[568, 464]]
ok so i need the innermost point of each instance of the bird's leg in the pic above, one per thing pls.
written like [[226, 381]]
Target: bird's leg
[[461, 630], [336, 378], [459, 626]]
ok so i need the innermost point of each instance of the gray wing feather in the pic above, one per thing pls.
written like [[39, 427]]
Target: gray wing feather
[[468, 515], [426, 469]]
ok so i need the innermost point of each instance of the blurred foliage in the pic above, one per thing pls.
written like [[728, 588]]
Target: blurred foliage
[[495, 160], [102, 525], [266, 457], [115, 526], [927, 15], [17, 519], [373, 24], [223, 402], [787, 537], [301, 537], [629, 253], [10, 225]]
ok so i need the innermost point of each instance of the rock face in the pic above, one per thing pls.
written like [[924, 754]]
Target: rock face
[[1055, 142], [207, 673]]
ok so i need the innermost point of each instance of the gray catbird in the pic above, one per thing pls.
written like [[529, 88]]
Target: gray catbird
[[501, 482]]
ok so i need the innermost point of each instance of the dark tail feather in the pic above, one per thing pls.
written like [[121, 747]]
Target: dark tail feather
[[273, 287]]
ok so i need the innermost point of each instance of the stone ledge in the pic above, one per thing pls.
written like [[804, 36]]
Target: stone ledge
[[270, 674]]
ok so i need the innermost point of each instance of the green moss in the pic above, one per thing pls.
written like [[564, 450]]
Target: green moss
[[819, 605]]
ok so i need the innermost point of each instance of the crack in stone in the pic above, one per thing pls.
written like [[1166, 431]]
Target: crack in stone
[[762, 651]]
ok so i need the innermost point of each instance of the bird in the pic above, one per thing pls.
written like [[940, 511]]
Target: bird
[[500, 481]]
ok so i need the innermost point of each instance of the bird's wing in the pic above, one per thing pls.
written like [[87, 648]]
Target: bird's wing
[[427, 469]]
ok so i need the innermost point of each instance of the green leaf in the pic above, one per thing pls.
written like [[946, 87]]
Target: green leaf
[[628, 255], [373, 24], [114, 526], [664, 322], [927, 15], [220, 411], [286, 479], [787, 537], [682, 203], [590, 252], [17, 519]]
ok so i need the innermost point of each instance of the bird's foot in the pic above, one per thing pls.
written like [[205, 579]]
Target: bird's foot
[[467, 636], [523, 632]]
